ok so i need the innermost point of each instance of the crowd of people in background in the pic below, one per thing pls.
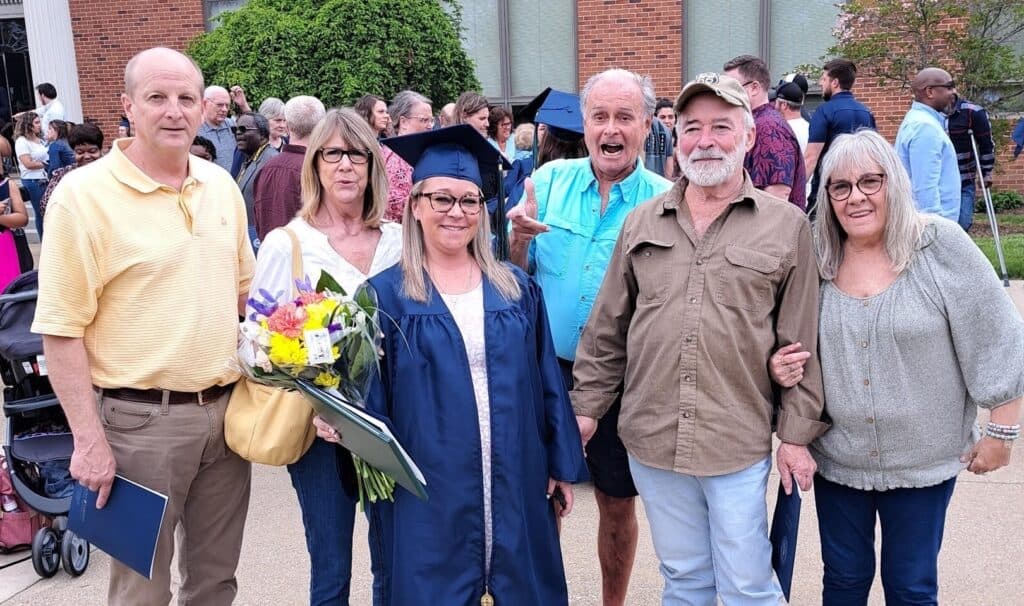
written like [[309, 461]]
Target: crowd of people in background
[[685, 278]]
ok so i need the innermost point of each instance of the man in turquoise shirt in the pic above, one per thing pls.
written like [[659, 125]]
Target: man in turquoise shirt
[[563, 233], [924, 147]]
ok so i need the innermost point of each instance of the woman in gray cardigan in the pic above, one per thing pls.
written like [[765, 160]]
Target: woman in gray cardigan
[[915, 333]]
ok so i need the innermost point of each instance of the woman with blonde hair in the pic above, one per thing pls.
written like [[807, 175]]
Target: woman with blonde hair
[[340, 230], [915, 333], [470, 382]]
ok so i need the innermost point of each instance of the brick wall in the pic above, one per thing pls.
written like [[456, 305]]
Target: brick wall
[[108, 32], [644, 36]]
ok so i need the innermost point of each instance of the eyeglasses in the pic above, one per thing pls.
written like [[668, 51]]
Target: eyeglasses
[[867, 184], [424, 120], [443, 203], [948, 86], [748, 82], [241, 130], [333, 155]]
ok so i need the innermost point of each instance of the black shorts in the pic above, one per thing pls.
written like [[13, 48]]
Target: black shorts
[[607, 460]]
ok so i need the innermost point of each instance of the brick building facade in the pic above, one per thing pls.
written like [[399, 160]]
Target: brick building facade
[[642, 35]]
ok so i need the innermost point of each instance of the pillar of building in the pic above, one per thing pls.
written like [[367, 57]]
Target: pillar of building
[[52, 52]]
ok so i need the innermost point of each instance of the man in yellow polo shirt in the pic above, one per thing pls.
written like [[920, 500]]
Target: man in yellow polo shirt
[[144, 269]]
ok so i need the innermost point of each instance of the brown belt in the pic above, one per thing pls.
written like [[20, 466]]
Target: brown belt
[[156, 396]]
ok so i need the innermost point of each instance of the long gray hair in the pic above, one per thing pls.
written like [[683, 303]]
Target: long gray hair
[[414, 266], [866, 150]]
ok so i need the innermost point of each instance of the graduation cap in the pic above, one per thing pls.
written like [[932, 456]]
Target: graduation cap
[[459, 152], [558, 111]]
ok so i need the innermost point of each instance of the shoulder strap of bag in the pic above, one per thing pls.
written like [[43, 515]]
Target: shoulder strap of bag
[[297, 273]]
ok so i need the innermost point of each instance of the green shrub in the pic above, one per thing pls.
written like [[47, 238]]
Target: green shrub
[[1002, 201], [337, 50]]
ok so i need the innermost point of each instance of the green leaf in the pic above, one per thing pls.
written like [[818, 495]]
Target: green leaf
[[328, 283]]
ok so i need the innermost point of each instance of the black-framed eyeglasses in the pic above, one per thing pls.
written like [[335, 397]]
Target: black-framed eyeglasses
[[948, 86], [868, 184], [239, 129], [333, 155], [443, 202], [748, 82]]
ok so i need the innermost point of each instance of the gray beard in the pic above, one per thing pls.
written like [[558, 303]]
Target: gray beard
[[711, 174]]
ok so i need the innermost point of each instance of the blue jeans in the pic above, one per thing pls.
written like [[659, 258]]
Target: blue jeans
[[711, 535], [912, 522], [328, 515], [967, 196], [36, 188]]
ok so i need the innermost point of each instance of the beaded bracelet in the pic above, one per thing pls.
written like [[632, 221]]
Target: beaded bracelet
[[1006, 433]]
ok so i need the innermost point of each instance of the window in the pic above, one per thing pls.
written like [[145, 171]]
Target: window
[[521, 46], [212, 8], [785, 33]]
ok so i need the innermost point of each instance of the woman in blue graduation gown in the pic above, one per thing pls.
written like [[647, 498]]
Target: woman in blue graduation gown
[[471, 384]]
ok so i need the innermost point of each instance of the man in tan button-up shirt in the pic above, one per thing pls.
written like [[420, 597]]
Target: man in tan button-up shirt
[[704, 283]]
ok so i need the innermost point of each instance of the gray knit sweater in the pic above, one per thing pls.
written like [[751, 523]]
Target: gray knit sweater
[[904, 370]]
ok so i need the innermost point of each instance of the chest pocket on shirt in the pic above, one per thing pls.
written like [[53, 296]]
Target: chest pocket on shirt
[[652, 266], [746, 280]]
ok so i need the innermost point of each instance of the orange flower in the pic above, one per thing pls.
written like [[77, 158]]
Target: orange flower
[[287, 320], [308, 298]]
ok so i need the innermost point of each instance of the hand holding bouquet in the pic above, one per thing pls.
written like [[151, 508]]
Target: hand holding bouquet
[[325, 339]]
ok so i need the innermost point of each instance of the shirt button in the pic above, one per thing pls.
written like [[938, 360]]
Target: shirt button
[[866, 303], [688, 339], [870, 420], [863, 343], [686, 378], [586, 268], [693, 299], [593, 239], [867, 382], [583, 298], [700, 261], [686, 415], [874, 453]]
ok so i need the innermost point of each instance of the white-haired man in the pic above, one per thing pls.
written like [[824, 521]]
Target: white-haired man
[[278, 189], [563, 234], [217, 126], [705, 282]]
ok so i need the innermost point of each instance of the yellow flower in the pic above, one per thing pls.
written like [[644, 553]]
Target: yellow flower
[[286, 351], [326, 379], [318, 313]]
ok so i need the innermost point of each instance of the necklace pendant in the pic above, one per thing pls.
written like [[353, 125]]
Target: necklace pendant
[[486, 599]]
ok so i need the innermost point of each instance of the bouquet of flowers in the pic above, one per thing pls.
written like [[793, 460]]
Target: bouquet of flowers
[[328, 341]]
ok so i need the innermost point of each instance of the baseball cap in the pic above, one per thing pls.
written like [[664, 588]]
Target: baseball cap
[[728, 89], [790, 91]]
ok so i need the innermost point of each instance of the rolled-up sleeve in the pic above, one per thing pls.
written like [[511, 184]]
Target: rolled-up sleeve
[[799, 420], [601, 354]]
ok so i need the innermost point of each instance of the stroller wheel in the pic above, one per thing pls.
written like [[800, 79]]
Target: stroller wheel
[[45, 552], [74, 551]]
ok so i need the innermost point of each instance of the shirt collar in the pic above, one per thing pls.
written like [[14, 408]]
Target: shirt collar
[[627, 186], [125, 171], [929, 110], [674, 198]]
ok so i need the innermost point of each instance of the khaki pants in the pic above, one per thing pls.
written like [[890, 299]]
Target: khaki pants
[[179, 450]]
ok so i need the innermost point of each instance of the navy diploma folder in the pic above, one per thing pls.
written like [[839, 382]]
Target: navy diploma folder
[[126, 528], [783, 536]]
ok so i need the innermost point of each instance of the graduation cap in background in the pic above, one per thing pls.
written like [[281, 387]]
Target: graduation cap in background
[[558, 111], [459, 152]]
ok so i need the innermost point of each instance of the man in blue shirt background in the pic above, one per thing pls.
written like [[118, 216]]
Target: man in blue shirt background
[[840, 114], [563, 233], [924, 147]]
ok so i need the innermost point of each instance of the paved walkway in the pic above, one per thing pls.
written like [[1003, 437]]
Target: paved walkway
[[978, 565]]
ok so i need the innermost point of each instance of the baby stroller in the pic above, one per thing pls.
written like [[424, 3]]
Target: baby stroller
[[38, 441]]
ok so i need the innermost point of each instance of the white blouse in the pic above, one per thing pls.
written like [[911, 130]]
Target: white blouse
[[274, 262]]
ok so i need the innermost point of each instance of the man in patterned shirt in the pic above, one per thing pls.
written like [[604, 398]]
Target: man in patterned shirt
[[775, 163]]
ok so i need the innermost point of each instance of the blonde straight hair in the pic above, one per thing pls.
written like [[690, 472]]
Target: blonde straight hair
[[867, 151], [414, 268], [357, 134]]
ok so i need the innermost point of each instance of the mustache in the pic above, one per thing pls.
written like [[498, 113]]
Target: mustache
[[707, 154]]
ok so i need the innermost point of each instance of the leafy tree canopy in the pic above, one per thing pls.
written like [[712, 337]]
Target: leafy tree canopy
[[893, 39], [338, 50]]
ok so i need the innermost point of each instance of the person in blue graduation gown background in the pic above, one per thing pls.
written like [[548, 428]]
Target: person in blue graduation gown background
[[471, 384]]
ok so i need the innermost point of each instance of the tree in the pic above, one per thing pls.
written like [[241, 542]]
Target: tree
[[338, 50], [892, 40]]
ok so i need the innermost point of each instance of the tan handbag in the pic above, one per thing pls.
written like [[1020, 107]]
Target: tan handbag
[[269, 425]]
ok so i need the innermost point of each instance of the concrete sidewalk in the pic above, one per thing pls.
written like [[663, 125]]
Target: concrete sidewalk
[[978, 564]]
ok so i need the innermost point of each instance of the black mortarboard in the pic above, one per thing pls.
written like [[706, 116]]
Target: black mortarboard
[[459, 152]]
